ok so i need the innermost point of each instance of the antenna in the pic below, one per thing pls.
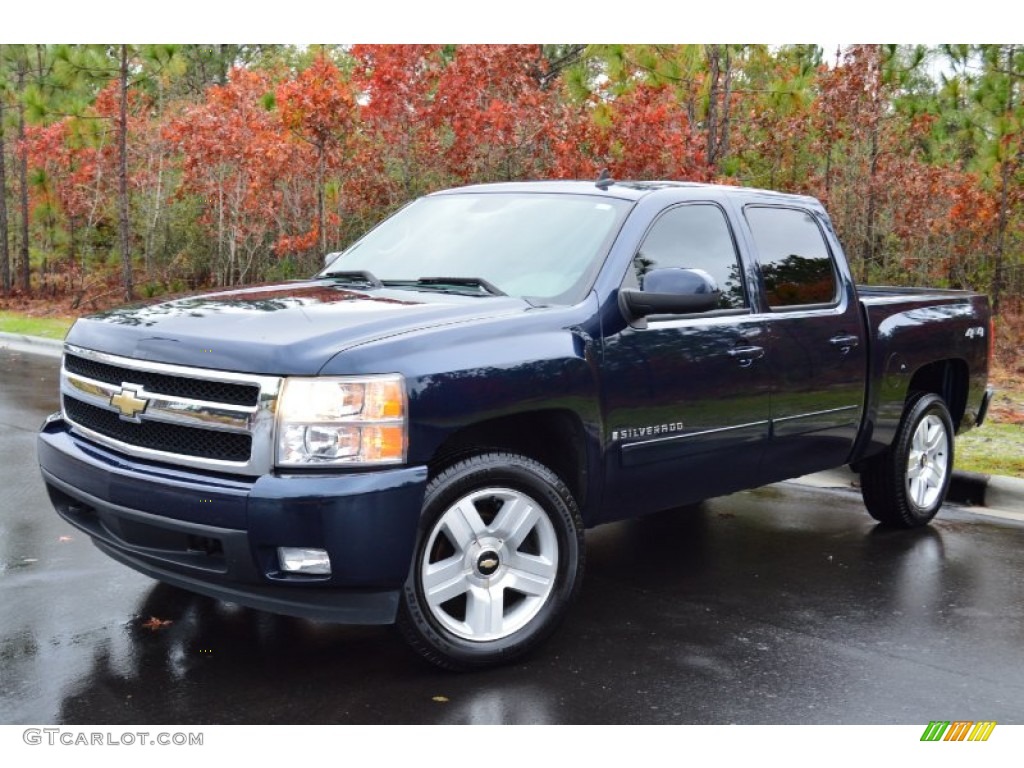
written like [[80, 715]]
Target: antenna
[[604, 181]]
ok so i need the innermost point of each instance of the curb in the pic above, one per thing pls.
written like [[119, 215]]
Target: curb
[[969, 488], [987, 490], [33, 345], [18, 338]]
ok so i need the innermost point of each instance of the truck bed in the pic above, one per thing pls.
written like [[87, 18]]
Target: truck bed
[[906, 326]]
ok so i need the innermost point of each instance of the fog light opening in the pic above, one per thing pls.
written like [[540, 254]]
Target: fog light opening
[[301, 560]]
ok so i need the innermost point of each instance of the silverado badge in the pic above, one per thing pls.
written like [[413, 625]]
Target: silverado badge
[[654, 430]]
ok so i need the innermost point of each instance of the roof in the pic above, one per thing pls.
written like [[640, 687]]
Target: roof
[[627, 190]]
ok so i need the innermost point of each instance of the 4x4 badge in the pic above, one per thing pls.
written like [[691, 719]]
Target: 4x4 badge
[[129, 402]]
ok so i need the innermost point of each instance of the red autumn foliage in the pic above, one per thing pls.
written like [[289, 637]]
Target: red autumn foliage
[[267, 170], [236, 155]]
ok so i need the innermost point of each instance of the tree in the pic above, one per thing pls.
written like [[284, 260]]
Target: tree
[[399, 158], [123, 220], [91, 69], [978, 116], [5, 255], [774, 131], [999, 96], [21, 62], [238, 161], [318, 108], [638, 117], [144, 168], [494, 116], [701, 81]]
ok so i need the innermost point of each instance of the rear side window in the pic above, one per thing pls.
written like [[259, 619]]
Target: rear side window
[[694, 237], [795, 261]]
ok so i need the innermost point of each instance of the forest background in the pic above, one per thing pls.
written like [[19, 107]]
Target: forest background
[[137, 171]]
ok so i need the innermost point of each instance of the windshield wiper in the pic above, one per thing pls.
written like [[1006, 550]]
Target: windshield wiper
[[442, 284], [462, 282], [356, 276]]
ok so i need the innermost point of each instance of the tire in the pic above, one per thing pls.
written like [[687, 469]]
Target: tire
[[904, 486], [498, 562]]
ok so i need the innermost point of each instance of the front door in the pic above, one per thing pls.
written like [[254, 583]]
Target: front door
[[686, 397]]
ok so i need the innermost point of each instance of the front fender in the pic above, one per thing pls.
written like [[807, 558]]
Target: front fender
[[465, 374]]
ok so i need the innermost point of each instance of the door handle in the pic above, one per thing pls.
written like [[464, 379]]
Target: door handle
[[845, 342], [746, 355]]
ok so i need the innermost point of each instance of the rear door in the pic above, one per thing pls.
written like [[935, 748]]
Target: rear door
[[817, 347]]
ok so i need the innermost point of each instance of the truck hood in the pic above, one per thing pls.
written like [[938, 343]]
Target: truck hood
[[290, 328]]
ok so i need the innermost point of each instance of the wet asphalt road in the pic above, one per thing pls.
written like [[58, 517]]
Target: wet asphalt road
[[782, 605]]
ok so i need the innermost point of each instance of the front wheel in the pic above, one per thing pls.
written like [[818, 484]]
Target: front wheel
[[904, 486], [498, 561]]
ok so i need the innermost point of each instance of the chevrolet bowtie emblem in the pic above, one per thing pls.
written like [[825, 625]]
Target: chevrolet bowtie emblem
[[129, 402]]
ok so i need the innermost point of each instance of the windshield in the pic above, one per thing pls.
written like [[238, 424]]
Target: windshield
[[545, 247]]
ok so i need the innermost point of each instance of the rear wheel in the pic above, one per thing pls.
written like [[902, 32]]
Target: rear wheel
[[499, 559], [904, 486]]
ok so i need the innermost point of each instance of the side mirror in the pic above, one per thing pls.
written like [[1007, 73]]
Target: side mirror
[[329, 257], [671, 292]]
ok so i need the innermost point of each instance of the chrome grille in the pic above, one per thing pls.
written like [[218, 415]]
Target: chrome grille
[[196, 417], [179, 386], [160, 436]]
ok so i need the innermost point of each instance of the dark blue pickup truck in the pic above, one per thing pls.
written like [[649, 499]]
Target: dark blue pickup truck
[[421, 433]]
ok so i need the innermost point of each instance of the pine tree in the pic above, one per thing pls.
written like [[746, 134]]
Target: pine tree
[[5, 254]]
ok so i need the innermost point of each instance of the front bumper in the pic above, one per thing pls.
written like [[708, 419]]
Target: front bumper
[[218, 535]]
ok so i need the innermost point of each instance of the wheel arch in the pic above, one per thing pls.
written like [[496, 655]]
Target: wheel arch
[[898, 387], [949, 379], [554, 437]]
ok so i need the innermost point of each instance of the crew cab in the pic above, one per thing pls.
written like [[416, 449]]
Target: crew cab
[[421, 433]]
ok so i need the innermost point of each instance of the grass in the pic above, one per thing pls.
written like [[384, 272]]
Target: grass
[[997, 448], [994, 449], [47, 327]]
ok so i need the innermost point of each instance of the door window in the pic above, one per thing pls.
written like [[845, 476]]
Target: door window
[[694, 237], [795, 262]]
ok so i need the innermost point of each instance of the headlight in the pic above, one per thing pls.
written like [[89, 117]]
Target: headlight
[[337, 420]]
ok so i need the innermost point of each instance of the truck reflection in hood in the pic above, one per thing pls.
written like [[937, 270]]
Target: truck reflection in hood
[[289, 328], [270, 298]]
